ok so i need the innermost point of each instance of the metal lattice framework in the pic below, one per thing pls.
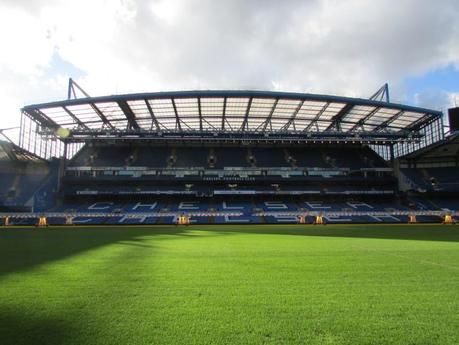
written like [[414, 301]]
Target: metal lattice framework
[[238, 114]]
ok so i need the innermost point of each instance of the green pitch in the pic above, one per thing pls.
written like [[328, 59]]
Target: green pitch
[[274, 284]]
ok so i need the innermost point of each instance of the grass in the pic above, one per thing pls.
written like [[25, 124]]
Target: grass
[[273, 284]]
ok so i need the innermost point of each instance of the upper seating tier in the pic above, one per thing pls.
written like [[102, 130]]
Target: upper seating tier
[[316, 156]]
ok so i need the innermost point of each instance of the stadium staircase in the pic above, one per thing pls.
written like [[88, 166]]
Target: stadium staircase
[[45, 196], [211, 159], [423, 203], [289, 159], [132, 158], [172, 158], [327, 160], [426, 176], [251, 159], [15, 185]]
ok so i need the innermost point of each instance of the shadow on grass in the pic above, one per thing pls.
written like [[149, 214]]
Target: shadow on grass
[[413, 232], [21, 249], [25, 329]]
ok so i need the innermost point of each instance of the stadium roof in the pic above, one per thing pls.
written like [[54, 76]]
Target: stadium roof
[[262, 112]]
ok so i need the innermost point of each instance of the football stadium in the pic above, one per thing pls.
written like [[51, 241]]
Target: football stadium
[[230, 217]]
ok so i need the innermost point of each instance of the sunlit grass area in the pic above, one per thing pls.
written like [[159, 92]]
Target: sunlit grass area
[[265, 284]]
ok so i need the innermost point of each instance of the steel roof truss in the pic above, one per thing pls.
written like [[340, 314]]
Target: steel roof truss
[[362, 122], [317, 117], [386, 123], [336, 120], [42, 118], [268, 119], [229, 124], [76, 119], [211, 125], [152, 114], [418, 122], [291, 120], [246, 116], [106, 122]]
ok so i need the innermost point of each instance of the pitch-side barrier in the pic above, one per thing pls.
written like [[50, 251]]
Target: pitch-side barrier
[[185, 218]]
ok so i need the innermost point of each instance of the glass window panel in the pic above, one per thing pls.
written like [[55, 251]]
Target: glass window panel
[[94, 124], [111, 111], [187, 107], [210, 122], [279, 123], [142, 114], [261, 107], [299, 125], [58, 115], [255, 123], [346, 126], [376, 120], [62, 118], [162, 108], [84, 112], [286, 108], [368, 127], [236, 106], [212, 106], [401, 122], [307, 114], [234, 122], [323, 125]]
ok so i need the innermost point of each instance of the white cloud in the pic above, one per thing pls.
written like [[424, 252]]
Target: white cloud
[[330, 46]]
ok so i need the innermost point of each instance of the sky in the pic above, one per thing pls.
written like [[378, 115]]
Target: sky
[[337, 47]]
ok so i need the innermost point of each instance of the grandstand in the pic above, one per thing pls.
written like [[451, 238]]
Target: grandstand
[[26, 179], [431, 175], [228, 157]]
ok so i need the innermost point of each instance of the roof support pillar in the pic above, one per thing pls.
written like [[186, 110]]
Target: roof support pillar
[[152, 115], [130, 116], [246, 118], [177, 119], [224, 114]]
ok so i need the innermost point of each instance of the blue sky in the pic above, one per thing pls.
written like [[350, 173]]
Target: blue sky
[[444, 80], [59, 66]]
